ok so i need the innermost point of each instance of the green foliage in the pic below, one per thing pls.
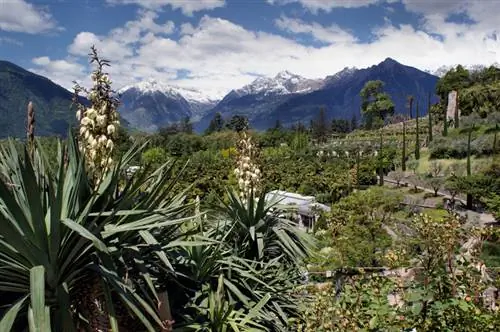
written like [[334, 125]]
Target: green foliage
[[376, 104], [154, 157], [403, 151], [216, 124], [455, 79], [51, 103], [359, 218], [429, 117], [320, 129], [441, 293], [417, 137], [237, 123], [341, 126], [60, 237]]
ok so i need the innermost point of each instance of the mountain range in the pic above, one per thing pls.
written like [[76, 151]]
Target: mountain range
[[337, 94], [152, 104], [51, 101]]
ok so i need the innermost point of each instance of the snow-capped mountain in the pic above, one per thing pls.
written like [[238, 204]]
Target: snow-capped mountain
[[290, 98], [344, 73], [283, 83], [441, 71], [152, 104], [190, 94]]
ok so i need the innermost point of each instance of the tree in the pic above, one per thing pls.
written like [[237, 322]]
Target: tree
[[403, 158], [455, 79], [417, 134], [171, 129], [429, 114], [434, 182], [445, 124], [354, 122], [435, 168], [340, 126], [376, 105], [277, 125], [413, 165], [238, 123], [320, 129], [410, 106], [361, 218], [380, 160], [397, 176], [216, 124], [298, 127], [186, 125], [469, 131]]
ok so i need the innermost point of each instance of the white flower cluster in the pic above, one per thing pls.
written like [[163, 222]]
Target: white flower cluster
[[98, 125], [247, 173]]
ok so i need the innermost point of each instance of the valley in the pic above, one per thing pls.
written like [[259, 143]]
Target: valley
[[249, 166]]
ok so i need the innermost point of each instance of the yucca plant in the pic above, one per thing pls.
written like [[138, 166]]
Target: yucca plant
[[221, 315], [252, 261], [257, 232], [75, 256]]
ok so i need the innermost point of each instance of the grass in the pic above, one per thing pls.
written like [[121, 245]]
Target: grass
[[435, 213], [491, 254], [424, 161]]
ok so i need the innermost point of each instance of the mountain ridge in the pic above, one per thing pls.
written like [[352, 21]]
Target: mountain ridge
[[339, 95], [151, 104]]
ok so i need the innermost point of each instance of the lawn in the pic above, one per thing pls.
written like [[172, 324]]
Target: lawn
[[424, 161]]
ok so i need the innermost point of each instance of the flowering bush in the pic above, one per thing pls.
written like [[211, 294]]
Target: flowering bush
[[447, 288]]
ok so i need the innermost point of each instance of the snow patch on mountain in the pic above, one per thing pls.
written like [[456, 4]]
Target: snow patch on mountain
[[346, 72], [442, 70], [283, 83], [191, 95]]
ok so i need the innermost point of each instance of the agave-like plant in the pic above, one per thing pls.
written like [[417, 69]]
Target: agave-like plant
[[258, 233], [80, 257]]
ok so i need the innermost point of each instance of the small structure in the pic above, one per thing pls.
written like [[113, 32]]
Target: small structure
[[452, 106], [302, 209]]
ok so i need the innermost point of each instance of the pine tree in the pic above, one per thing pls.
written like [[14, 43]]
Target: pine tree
[[186, 125], [410, 106], [216, 124], [320, 127], [457, 117]]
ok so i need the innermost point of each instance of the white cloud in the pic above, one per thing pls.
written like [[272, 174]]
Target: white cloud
[[332, 34], [220, 55], [20, 16], [62, 72], [187, 29], [119, 43], [326, 5], [188, 7]]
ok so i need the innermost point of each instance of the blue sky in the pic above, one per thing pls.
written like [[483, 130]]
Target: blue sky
[[216, 45]]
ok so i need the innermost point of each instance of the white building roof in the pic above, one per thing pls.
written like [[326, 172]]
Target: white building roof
[[287, 198]]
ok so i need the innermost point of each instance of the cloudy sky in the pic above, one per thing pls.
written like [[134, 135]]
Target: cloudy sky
[[216, 45]]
